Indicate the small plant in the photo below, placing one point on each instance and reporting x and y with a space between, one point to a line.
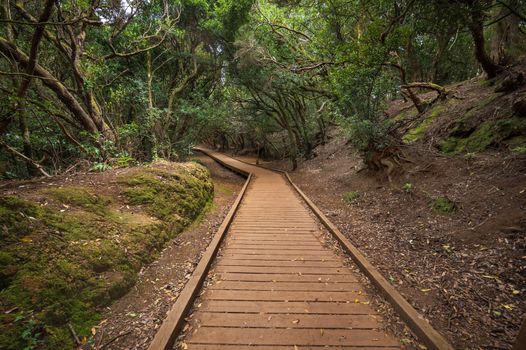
351 197
444 205
100 167
31 331
407 187
519 149
123 161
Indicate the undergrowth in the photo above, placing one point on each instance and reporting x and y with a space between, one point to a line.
351 197
443 205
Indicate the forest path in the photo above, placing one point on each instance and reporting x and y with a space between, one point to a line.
276 285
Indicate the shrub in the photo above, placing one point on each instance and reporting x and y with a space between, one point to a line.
351 197
444 205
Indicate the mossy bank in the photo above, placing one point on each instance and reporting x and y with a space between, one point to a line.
472 119
68 251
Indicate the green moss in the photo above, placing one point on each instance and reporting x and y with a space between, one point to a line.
486 134
516 141
226 190
63 267
80 197
406 114
351 197
167 195
417 132
476 142
443 205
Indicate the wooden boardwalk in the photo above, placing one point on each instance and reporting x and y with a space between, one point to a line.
276 286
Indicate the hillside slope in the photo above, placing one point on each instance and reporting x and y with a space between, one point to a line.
475 115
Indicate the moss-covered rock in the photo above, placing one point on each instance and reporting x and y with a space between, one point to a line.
173 197
509 130
417 132
62 267
81 197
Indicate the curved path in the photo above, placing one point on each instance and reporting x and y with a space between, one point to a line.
275 285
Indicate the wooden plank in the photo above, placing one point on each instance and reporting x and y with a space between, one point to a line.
276 277
209 319
270 263
275 243
278 252
283 347
262 230
241 257
292 269
298 337
273 238
300 247
249 295
295 286
291 307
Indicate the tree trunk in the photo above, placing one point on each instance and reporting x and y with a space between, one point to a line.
507 39
28 150
61 92
149 79
477 32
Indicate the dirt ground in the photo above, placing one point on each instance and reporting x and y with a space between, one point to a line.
464 271
132 321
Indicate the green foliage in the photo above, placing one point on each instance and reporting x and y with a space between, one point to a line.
232 73
408 187
351 197
443 205
367 135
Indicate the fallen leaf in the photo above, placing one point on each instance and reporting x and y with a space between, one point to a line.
508 306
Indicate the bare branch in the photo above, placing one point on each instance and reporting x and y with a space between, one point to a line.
18 154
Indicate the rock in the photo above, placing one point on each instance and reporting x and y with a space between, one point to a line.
519 107
511 82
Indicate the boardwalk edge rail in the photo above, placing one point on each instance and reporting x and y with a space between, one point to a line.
167 334
418 324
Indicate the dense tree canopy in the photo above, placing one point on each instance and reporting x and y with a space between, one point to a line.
117 81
